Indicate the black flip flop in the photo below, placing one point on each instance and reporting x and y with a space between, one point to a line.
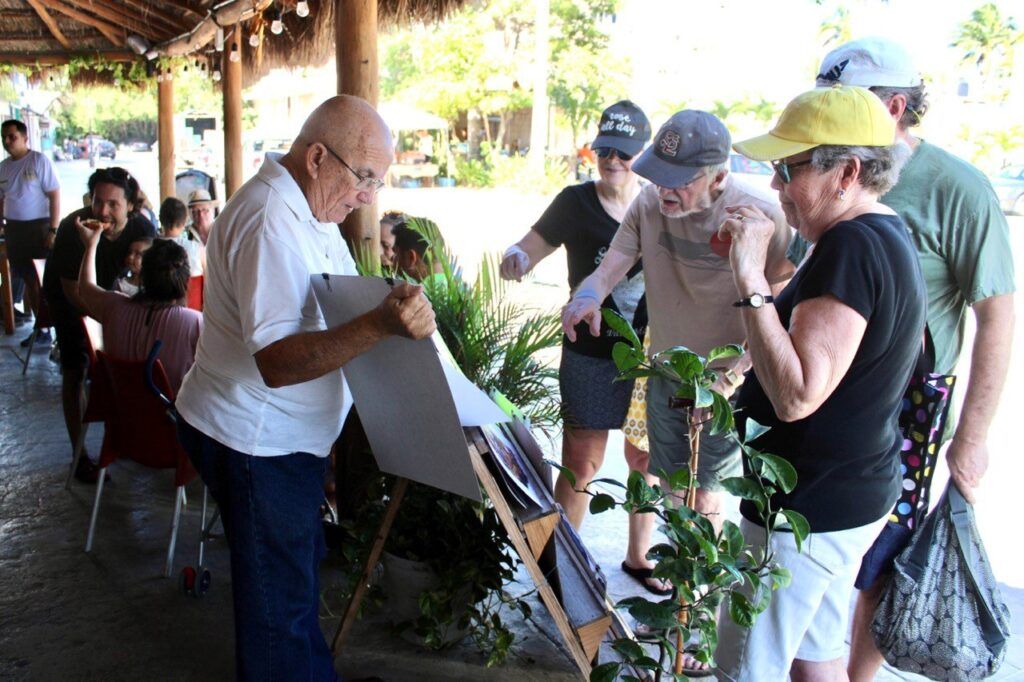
642 575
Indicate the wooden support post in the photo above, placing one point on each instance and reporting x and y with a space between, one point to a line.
397 493
6 293
355 33
232 95
165 136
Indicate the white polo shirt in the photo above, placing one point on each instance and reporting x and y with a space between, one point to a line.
260 255
23 186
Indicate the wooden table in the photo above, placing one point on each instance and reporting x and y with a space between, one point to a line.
6 294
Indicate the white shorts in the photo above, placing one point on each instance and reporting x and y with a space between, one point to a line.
807 620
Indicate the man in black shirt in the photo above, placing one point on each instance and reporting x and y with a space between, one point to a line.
114 195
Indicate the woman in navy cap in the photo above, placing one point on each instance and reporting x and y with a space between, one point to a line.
584 219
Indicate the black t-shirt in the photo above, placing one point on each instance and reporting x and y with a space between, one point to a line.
577 219
846 454
66 259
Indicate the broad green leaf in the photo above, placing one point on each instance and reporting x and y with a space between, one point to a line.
703 396
626 357
781 577
629 648
732 538
680 479
798 524
685 391
608 481
778 471
565 471
623 328
722 419
657 616
687 365
741 610
742 487
708 549
606 672
753 430
730 351
638 373
601 503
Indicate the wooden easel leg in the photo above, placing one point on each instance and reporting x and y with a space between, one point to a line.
397 493
522 547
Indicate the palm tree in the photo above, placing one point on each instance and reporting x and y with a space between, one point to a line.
987 41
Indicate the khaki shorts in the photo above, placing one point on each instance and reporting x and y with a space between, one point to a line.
669 438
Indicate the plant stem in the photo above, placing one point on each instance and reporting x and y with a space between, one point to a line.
691 502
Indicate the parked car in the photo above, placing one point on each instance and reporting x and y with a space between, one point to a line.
1009 187
106 149
140 146
757 173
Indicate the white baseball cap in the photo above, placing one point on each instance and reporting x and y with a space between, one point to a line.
870 62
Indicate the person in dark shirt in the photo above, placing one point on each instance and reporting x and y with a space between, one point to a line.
584 218
832 356
114 194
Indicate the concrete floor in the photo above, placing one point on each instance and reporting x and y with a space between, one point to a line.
110 615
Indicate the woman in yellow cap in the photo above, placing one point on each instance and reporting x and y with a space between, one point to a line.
832 355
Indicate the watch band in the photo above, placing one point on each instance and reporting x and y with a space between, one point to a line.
754 301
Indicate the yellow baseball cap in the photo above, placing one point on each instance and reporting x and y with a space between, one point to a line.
840 115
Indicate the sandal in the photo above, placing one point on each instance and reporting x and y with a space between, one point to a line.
642 575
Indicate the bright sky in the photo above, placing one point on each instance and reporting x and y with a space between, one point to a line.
697 51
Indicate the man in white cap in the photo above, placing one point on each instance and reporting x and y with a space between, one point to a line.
201 207
962 241
673 225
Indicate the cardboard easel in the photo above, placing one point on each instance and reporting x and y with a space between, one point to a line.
529 538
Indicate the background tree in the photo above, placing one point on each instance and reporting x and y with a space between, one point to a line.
988 41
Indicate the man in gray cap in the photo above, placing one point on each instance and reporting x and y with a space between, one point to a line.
673 225
963 244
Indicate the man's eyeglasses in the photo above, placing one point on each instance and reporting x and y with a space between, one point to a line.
685 185
363 181
785 169
605 152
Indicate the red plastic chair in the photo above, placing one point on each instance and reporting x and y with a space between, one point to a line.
43 320
98 396
195 293
137 428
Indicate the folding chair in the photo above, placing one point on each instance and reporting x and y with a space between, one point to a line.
98 396
137 428
42 319
195 580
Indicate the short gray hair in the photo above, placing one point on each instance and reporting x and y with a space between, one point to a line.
716 168
879 166
917 103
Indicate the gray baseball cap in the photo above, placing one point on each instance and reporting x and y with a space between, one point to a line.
688 142
623 127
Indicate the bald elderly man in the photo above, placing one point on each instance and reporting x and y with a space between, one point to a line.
266 397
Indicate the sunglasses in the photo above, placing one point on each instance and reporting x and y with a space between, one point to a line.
605 152
785 169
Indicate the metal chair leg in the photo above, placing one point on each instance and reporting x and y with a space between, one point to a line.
28 353
79 447
95 509
178 498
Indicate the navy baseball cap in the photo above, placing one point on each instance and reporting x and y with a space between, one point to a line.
688 142
623 127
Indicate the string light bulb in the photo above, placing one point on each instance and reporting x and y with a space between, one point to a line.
302 9
254 39
218 40
160 76
216 75
276 26
235 55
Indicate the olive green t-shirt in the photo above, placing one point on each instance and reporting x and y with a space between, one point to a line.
961 238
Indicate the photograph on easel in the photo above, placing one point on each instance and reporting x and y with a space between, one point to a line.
513 467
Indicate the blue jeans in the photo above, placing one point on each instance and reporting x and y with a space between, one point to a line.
270 510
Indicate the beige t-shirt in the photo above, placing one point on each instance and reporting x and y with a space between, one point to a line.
690 288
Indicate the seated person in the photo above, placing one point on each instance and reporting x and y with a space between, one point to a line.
387 239
113 193
128 282
173 221
132 325
417 257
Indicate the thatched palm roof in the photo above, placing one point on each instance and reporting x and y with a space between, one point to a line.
36 34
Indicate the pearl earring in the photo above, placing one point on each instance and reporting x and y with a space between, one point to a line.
842 194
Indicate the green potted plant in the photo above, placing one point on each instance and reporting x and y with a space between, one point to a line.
458 548
707 567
